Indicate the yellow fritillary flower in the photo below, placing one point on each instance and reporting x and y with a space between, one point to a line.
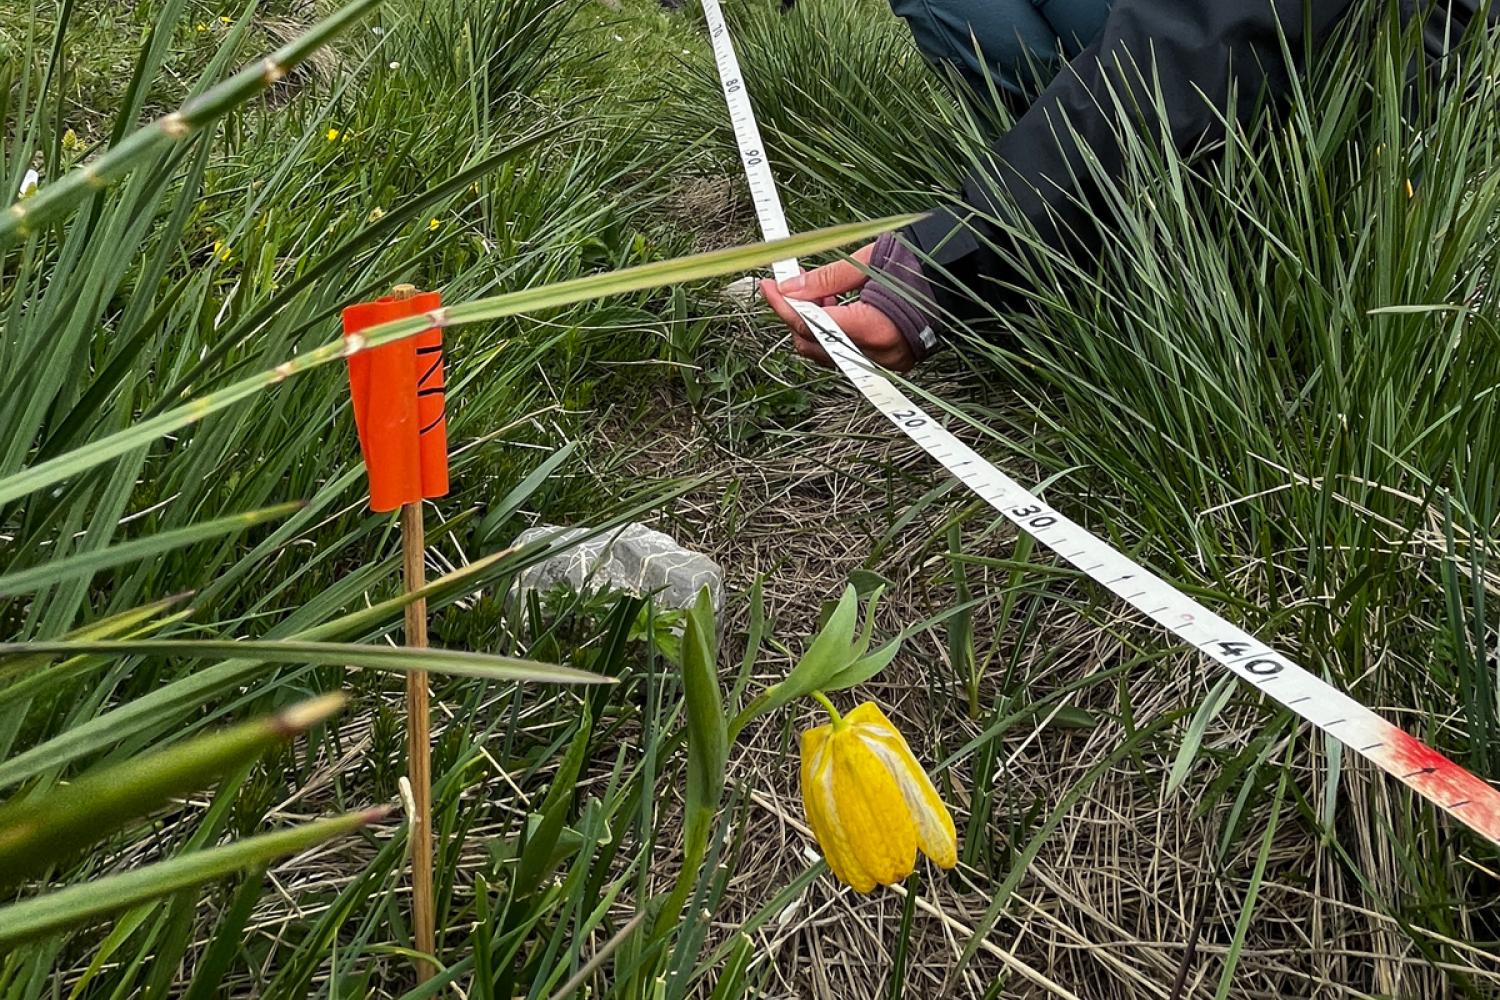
869 802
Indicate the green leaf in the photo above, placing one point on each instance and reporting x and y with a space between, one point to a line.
125 622
1252 893
707 752
185 693
459 663
519 494
863 668
1192 740
91 561
539 852
653 275
43 829
89 901
828 654
707 733
218 957
731 984
866 582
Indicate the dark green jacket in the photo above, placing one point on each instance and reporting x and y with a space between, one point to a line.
1199 50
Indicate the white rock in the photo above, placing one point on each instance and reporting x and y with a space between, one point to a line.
635 559
742 290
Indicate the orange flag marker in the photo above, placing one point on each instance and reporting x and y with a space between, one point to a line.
398 393
398 403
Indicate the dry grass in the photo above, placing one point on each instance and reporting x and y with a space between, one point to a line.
1124 899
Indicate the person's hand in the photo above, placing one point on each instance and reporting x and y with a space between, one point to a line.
872 331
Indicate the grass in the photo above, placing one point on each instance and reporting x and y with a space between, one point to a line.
1275 388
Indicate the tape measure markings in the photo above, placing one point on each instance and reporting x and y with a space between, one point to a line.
1423 769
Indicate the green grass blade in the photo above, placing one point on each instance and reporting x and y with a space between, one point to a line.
126 622
403 659
1192 740
25 216
1257 878
707 265
1028 854
91 561
217 958
89 901
40 830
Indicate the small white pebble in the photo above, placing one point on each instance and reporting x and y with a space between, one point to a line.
742 290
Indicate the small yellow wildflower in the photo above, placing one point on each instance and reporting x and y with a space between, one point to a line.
70 140
434 224
223 250
332 135
225 20
376 214
200 26
869 802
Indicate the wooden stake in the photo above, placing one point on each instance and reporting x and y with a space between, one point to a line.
418 731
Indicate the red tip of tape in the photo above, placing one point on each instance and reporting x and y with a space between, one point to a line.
1450 786
398 393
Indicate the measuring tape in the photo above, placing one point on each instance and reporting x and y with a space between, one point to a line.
1418 766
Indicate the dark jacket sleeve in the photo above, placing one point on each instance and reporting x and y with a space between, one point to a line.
1195 51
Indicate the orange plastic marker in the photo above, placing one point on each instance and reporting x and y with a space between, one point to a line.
398 392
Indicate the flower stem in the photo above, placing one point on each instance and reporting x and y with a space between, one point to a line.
838 720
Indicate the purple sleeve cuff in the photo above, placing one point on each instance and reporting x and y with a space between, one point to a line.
898 288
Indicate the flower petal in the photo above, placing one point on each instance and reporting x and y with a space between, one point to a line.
936 834
822 813
871 811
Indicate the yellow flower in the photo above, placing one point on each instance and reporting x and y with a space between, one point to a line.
869 802
225 20
376 214
200 26
434 224
223 250
70 140
332 135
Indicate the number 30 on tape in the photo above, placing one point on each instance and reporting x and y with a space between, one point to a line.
1424 770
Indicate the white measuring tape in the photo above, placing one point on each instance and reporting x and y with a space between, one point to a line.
1421 768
